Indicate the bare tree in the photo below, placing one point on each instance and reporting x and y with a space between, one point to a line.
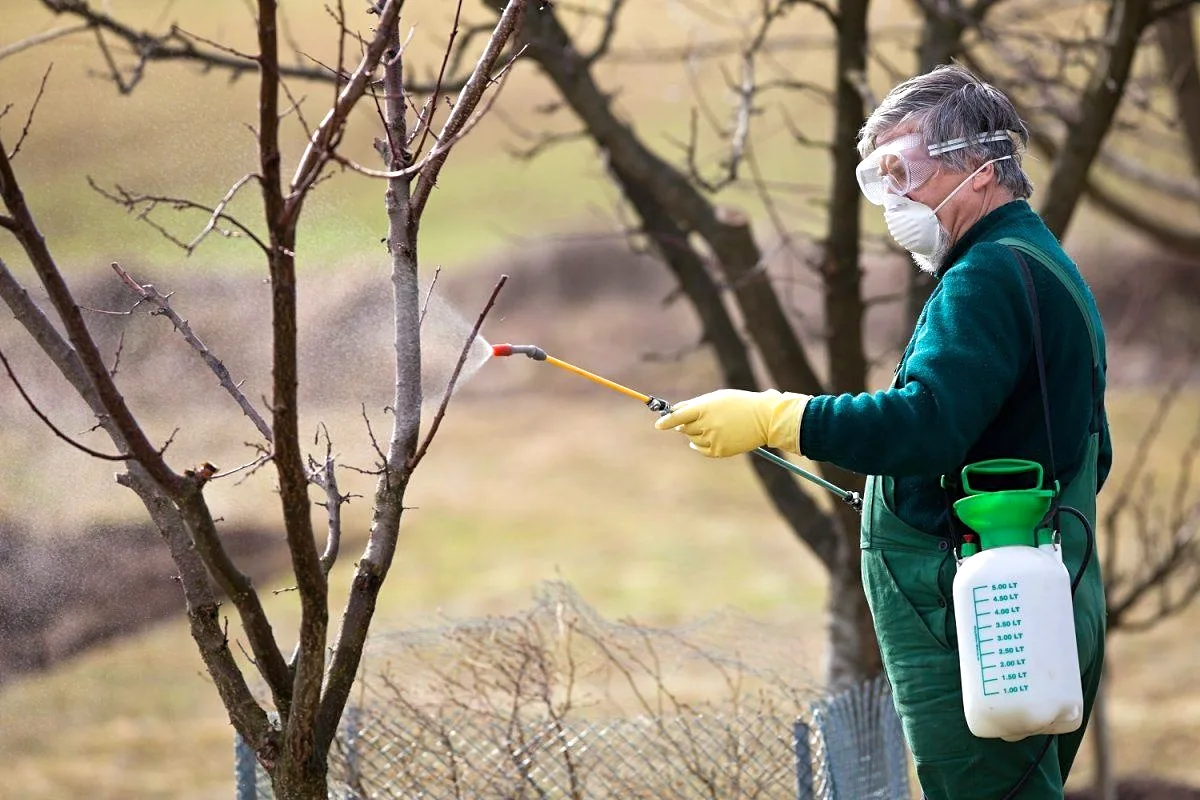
308 690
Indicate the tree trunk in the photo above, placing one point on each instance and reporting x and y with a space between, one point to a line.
1097 108
1105 782
672 210
1177 43
941 39
853 649
295 779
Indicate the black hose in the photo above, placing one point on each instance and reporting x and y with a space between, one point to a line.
1089 546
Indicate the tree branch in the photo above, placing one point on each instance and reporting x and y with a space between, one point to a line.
1096 109
174 45
426 121
1177 44
606 36
148 293
324 475
1170 547
32 110
244 710
143 205
1175 238
403 224
728 233
321 145
406 404
1168 185
462 359
41 38
467 102
46 420
679 209
34 244
303 684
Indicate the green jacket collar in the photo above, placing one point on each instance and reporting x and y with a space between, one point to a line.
994 225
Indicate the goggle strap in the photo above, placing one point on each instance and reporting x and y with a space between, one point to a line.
965 141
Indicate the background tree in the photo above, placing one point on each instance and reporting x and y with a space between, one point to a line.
291 731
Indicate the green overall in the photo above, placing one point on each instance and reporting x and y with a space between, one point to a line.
908 577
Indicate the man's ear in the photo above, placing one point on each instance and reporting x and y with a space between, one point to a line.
985 176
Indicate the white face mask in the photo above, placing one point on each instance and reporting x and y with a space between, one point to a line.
914 225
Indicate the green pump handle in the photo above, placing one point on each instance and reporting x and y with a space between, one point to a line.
1000 467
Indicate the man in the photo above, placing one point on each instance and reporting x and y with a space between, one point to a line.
942 155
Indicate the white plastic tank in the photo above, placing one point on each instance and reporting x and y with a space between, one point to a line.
1016 637
1013 608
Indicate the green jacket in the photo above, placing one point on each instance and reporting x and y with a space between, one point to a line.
967 388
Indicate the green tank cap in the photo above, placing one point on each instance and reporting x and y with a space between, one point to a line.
1005 518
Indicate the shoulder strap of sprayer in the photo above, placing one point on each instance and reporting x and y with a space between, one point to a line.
1039 356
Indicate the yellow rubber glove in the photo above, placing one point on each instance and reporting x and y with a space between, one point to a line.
728 422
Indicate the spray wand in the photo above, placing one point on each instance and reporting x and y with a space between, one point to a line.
661 406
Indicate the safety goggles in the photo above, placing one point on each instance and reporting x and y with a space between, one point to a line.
905 163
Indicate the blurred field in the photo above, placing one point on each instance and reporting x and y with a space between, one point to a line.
192 138
535 476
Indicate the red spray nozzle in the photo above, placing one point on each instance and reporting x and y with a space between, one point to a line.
533 351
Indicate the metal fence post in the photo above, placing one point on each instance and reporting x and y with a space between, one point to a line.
863 755
352 726
245 768
803 751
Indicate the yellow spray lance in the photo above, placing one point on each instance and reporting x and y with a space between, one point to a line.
660 406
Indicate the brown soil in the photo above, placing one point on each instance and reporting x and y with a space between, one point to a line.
60 596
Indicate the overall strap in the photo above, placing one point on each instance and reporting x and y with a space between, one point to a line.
1051 264
1038 354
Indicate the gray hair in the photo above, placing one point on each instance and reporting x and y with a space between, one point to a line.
949 102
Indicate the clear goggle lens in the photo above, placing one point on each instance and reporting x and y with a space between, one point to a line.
895 168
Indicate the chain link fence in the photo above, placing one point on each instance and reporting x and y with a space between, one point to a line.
557 703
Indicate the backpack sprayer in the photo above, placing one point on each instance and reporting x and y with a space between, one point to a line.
661 407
